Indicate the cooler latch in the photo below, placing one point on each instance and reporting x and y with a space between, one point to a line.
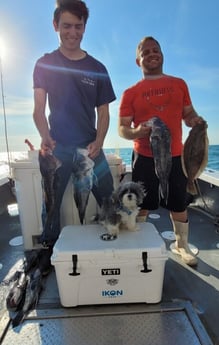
74 261
145 263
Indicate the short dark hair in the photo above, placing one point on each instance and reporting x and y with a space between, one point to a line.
147 38
76 7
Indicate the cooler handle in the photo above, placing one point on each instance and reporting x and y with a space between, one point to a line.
74 268
145 263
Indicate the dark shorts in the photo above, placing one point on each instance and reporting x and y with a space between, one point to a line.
143 171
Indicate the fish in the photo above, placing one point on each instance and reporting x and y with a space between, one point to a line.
82 180
30 260
16 291
194 157
48 164
18 284
33 290
160 141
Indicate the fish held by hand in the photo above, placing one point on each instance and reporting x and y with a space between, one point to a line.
160 140
195 155
83 181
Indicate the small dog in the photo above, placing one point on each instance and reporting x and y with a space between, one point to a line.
121 209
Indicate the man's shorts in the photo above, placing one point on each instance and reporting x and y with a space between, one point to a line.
143 170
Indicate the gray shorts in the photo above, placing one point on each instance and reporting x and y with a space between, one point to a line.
143 171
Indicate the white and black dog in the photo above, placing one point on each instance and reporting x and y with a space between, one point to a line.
121 209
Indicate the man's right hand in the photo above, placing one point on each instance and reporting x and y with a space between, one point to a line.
143 130
48 144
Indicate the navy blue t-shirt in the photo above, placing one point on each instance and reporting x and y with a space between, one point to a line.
75 89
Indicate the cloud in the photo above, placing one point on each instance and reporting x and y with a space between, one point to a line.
18 105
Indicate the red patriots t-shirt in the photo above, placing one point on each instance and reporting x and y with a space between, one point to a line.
164 97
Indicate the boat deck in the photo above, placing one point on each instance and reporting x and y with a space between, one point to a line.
190 300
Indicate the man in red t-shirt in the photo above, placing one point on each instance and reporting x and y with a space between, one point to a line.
166 97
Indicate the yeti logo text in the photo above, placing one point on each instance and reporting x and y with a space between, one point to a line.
110 271
112 293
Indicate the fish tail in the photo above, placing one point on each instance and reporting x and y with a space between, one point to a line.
81 200
18 319
191 188
164 192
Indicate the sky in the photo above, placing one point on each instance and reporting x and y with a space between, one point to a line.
187 30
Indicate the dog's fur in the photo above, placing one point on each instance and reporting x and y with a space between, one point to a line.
121 209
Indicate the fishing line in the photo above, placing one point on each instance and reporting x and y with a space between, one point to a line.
5 119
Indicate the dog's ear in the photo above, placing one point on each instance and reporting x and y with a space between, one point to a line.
115 197
120 187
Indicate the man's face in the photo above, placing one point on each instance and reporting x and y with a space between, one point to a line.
71 30
150 57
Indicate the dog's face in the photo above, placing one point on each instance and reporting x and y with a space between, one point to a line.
129 200
130 194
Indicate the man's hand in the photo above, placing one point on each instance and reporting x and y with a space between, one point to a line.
48 144
93 149
143 130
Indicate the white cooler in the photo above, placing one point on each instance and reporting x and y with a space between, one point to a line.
90 270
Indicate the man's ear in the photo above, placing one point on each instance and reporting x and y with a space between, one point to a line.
55 25
137 62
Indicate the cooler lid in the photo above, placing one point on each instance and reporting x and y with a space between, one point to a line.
28 162
25 164
86 242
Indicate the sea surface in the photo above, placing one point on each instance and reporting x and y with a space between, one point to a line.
213 156
124 153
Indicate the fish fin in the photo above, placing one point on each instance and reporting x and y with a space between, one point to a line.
31 260
18 319
183 166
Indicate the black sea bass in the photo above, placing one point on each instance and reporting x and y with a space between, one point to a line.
160 140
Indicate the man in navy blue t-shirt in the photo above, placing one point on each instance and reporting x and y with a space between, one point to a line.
78 90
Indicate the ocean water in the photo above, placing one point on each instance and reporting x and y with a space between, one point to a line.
124 153
213 156
17 134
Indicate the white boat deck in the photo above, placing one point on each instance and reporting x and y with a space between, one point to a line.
188 311
211 176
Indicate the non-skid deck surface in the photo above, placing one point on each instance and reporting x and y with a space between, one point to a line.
181 283
102 325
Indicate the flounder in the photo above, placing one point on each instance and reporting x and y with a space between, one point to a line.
195 155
